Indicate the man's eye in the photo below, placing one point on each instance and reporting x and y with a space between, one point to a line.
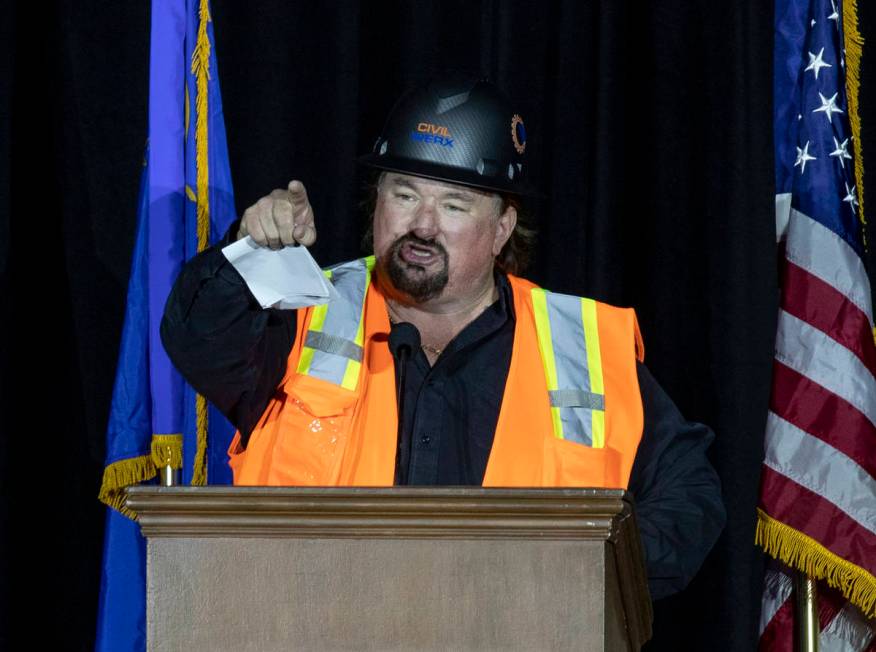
453 208
404 196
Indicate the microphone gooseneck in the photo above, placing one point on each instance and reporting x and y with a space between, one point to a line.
404 339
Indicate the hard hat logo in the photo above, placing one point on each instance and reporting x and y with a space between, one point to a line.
435 130
518 134
430 133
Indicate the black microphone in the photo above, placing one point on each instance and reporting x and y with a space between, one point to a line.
404 336
404 339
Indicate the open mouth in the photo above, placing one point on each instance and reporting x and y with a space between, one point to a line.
419 254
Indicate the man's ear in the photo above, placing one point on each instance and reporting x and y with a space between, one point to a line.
504 228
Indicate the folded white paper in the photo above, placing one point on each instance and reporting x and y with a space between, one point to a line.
286 278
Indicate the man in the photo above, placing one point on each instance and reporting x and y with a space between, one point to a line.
495 381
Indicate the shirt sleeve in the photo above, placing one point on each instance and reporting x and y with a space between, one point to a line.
677 491
224 344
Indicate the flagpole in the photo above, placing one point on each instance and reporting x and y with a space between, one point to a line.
168 476
807 612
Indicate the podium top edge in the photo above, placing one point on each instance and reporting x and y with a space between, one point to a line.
144 500
461 491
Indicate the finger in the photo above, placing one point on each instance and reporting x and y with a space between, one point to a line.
305 234
283 220
256 232
249 226
296 191
297 194
266 221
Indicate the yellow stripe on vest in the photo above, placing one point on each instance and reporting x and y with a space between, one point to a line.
546 347
594 366
317 321
351 375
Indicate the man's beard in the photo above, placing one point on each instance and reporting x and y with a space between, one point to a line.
412 279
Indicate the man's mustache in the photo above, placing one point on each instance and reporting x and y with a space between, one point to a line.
411 238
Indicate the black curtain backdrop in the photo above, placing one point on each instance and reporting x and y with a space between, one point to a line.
650 136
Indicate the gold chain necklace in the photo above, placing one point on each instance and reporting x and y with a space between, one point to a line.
393 319
430 349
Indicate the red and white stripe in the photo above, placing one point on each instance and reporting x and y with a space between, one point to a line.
819 473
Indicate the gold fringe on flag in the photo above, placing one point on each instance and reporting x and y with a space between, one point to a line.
854 46
201 71
807 555
166 450
121 474
199 473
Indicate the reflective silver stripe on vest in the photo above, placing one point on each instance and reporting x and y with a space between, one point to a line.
336 340
335 345
573 394
576 398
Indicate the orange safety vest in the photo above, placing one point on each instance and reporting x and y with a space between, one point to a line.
571 414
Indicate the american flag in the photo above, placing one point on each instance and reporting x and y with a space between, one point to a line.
818 490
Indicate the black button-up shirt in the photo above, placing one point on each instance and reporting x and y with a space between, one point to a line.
451 409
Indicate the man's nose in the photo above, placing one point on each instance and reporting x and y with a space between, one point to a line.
425 221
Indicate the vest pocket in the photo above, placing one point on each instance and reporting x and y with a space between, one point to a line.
306 433
569 464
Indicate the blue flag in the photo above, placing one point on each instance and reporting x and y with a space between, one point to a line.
186 202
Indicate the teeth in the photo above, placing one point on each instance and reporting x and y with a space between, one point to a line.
420 253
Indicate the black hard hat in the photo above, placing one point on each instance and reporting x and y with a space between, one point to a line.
457 129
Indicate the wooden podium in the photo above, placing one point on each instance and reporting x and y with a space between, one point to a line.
263 569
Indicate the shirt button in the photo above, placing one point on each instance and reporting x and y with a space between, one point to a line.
425 440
